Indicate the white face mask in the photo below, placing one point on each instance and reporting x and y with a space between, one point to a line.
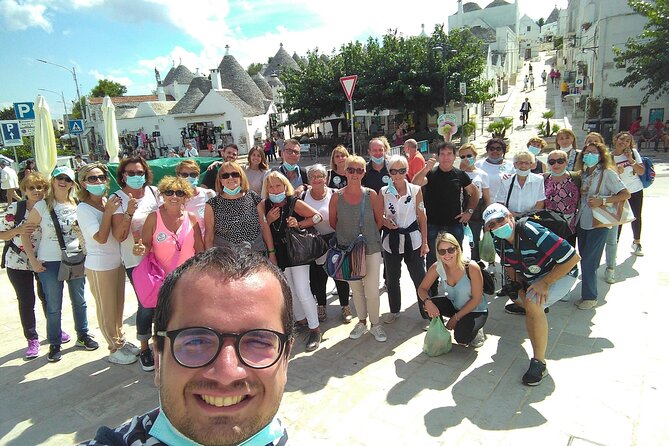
522 173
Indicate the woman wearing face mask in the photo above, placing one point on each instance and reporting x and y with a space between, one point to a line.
282 209
566 141
189 170
479 177
337 172
495 165
138 200
524 190
256 169
464 303
600 185
232 217
104 269
563 189
535 146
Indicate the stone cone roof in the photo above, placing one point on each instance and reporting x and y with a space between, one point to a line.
497 3
554 16
198 89
281 59
235 78
169 77
274 81
181 74
471 6
262 85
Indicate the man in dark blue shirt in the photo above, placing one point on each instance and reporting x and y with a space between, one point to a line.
541 266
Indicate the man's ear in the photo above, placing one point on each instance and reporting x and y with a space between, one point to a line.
156 358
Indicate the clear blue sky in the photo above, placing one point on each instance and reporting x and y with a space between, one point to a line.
123 40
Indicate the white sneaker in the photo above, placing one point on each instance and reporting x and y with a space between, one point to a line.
131 348
636 249
121 356
478 340
390 318
610 275
378 333
359 330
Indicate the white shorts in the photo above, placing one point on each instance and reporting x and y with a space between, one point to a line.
560 288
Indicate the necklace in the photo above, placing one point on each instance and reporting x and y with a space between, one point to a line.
277 228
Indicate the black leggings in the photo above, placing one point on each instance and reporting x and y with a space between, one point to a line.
318 280
24 286
466 328
636 203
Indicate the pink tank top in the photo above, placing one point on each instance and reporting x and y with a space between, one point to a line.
172 249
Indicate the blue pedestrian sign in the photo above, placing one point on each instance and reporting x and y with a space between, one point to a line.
76 126
11 133
24 110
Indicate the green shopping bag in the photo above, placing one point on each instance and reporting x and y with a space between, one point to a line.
437 339
487 248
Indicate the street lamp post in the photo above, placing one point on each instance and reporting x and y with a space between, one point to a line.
73 71
445 53
62 96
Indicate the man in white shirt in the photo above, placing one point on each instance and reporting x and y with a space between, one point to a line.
190 151
10 182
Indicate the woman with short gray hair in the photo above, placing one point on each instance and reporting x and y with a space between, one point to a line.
524 190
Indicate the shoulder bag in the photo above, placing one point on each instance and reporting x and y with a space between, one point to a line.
304 244
350 262
71 264
611 214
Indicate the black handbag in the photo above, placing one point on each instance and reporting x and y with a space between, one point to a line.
71 264
304 245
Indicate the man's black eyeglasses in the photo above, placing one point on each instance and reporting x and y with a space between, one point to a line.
186 175
195 347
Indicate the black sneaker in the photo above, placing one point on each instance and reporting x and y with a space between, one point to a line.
535 373
313 341
87 342
54 353
518 310
146 359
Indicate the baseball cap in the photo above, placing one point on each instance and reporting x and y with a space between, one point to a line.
63 170
493 212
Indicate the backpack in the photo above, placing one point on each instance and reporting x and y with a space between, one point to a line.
18 218
488 279
649 174
549 219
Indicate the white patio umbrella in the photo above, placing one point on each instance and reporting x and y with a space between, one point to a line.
111 132
45 141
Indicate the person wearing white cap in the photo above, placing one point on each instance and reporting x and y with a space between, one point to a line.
542 268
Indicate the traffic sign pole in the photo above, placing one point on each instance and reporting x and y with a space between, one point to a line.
348 84
352 127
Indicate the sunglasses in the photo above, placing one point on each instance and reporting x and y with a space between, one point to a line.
466 156
495 149
401 171
358 170
186 175
226 175
132 173
178 193
557 161
36 188
64 178
444 251
95 178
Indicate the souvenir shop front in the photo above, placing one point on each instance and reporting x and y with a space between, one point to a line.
138 142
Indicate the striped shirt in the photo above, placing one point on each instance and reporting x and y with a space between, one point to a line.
540 251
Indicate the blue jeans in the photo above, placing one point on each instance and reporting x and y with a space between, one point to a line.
590 247
457 230
144 317
53 293
477 228
611 249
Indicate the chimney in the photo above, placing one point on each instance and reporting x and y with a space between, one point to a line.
216 79
161 93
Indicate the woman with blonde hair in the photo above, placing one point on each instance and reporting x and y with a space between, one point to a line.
566 141
104 268
232 216
346 206
189 170
460 292
59 206
256 168
337 172
535 146
12 226
281 209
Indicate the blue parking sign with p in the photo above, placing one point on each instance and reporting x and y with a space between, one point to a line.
11 133
24 110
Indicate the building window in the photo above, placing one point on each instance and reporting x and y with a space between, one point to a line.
228 124
529 28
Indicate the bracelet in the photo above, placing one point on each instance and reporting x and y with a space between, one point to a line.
271 251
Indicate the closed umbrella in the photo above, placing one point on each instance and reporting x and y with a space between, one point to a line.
45 141
111 132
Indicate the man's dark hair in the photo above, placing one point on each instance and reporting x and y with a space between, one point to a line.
233 263
499 141
447 145
120 170
234 146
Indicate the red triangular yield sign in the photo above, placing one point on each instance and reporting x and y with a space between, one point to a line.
348 83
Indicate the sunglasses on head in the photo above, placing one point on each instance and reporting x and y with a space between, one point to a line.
226 175
557 161
186 175
178 193
466 156
93 178
444 251
63 178
358 170
132 173
400 171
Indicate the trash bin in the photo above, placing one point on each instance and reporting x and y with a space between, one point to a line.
607 126
593 125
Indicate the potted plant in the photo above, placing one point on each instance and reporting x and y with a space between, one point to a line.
467 130
498 128
548 131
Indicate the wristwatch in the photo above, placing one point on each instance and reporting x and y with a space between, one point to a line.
470 211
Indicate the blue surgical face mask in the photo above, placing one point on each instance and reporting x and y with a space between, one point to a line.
234 191
522 173
378 160
136 182
534 150
289 167
495 160
192 181
503 231
277 198
590 159
558 174
96 189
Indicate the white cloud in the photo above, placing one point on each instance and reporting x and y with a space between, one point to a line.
123 80
17 16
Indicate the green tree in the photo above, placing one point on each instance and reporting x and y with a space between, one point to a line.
7 114
77 107
254 68
645 56
108 88
541 22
